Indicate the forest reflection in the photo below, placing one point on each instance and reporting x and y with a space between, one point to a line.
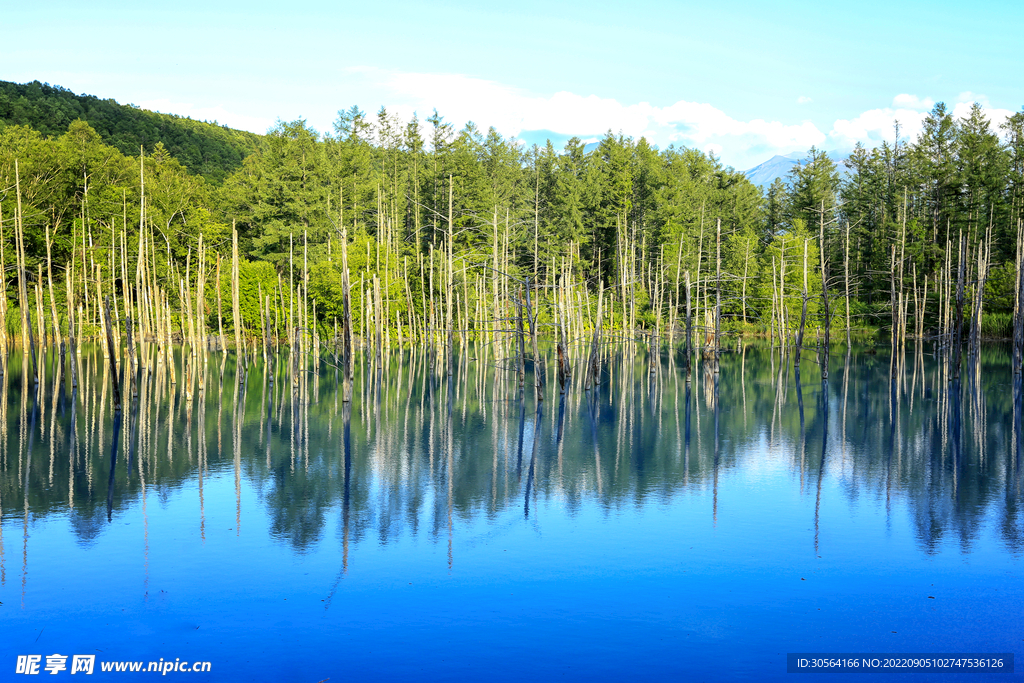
425 446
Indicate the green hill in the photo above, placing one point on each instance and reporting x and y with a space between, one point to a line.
204 148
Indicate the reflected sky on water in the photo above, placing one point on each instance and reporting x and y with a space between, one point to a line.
445 525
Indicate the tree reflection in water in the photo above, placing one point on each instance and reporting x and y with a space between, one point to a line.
421 450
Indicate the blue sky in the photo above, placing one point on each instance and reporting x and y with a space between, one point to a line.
743 79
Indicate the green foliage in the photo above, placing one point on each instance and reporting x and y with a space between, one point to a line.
206 149
281 193
86 193
615 210
254 278
814 189
999 288
783 262
325 285
997 325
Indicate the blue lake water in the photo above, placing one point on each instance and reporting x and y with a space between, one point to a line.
451 529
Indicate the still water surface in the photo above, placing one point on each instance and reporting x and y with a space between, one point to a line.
442 528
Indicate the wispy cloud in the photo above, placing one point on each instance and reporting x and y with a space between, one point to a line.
804 99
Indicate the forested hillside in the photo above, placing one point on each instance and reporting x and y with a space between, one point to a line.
430 211
205 149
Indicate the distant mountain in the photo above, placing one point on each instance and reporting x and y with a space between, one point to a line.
764 174
208 149
780 165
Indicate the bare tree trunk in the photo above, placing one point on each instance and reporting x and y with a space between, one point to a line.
1018 317
746 269
688 346
563 361
775 307
346 329
19 233
130 361
924 309
958 322
538 364
378 314
895 311
593 371
902 297
49 281
984 253
846 266
679 262
73 356
236 319
520 341
783 323
718 291
451 283
803 317
824 300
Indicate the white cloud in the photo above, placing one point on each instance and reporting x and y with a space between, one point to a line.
740 143
876 125
906 101
211 114
968 97
803 99
511 111
965 102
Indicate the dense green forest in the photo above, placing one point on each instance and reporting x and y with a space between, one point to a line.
205 149
433 213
